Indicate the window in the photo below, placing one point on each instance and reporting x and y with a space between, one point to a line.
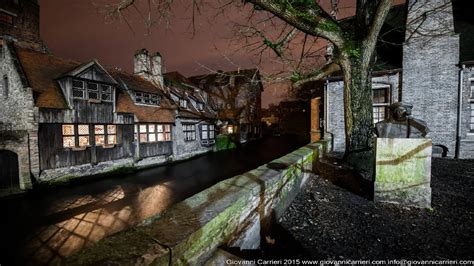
6 18
471 118
73 132
69 140
105 135
154 133
183 103
207 134
200 106
83 132
381 101
5 87
471 105
147 98
90 90
189 132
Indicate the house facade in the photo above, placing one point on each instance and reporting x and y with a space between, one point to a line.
434 72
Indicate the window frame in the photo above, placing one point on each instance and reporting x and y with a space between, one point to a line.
165 132
208 129
387 88
102 89
183 103
147 98
189 131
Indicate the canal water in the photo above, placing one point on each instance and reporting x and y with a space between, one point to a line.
46 226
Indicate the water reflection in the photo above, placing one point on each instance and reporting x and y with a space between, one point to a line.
46 227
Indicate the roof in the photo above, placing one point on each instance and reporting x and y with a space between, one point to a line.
184 88
165 113
41 71
125 104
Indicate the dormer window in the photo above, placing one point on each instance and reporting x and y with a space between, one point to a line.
147 98
200 106
91 91
183 103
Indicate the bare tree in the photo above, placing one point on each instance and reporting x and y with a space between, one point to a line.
353 47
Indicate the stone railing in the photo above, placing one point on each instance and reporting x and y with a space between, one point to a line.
233 212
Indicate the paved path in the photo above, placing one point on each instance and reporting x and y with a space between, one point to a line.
47 226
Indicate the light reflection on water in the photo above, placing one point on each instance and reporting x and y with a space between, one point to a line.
55 242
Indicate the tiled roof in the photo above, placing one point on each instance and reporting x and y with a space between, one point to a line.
41 71
165 113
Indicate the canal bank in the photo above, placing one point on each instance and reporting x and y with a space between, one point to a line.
49 225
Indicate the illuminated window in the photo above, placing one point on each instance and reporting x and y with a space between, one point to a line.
99 131
105 135
83 133
155 132
381 101
167 132
230 129
69 140
189 131
111 134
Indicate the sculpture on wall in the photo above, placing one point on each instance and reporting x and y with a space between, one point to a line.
399 124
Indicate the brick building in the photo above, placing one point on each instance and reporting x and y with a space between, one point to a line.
428 63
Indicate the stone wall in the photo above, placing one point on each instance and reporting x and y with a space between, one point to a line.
231 212
335 106
18 117
183 149
430 72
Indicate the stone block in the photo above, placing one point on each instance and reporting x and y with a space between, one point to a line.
403 171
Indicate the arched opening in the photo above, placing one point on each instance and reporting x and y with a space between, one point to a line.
9 174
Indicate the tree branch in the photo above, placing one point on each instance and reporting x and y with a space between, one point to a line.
370 40
325 71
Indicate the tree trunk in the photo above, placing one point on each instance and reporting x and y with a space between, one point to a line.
358 116
358 113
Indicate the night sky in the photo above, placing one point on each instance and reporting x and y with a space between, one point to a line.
80 30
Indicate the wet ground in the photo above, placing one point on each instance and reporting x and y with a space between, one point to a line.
48 225
328 222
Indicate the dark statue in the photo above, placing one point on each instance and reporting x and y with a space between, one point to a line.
399 124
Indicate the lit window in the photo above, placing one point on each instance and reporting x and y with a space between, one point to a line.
189 132
230 129
99 131
167 133
151 133
381 101
69 140
83 132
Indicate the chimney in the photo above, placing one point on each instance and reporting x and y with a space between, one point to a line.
428 19
156 68
141 63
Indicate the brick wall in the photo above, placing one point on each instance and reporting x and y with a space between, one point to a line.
430 74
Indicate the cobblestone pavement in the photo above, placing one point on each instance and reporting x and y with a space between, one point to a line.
328 222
